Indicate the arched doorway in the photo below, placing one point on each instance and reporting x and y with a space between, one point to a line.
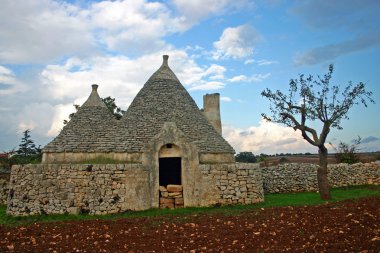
170 177
170 171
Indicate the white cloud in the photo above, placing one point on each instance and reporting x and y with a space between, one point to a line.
208 85
254 78
52 30
249 61
259 77
239 78
267 137
338 14
129 26
9 83
372 146
359 19
118 76
266 62
226 99
332 51
61 113
215 72
196 10
236 42
35 116
26 25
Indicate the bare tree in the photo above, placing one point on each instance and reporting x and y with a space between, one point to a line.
311 99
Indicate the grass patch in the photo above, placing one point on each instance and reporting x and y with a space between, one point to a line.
271 200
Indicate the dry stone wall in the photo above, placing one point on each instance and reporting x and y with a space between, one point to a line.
297 177
236 182
94 189
104 189
4 189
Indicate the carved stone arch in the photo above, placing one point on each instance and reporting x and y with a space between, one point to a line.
188 152
170 150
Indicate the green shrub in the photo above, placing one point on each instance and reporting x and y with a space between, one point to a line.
245 157
348 153
283 160
21 159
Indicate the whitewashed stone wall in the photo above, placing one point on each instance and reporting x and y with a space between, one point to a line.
235 183
297 177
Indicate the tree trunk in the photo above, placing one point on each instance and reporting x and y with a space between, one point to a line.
323 182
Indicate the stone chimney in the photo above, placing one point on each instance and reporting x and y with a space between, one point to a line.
165 60
211 109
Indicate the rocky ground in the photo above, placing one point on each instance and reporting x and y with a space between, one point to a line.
348 226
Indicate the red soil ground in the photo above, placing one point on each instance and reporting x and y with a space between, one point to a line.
348 226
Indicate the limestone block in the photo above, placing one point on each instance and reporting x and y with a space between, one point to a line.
73 210
231 175
170 206
174 188
166 200
178 201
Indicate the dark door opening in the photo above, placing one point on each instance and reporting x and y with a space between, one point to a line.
170 171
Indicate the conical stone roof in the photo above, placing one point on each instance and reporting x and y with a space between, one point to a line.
93 128
164 99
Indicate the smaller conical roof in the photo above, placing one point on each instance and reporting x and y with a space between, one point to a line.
93 128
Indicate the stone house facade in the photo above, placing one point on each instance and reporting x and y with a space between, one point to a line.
163 139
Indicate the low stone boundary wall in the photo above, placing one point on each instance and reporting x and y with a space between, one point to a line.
236 183
4 189
113 188
104 189
297 177
94 189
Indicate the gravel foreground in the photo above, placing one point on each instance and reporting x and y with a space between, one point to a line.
347 226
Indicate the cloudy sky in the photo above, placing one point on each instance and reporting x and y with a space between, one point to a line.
51 51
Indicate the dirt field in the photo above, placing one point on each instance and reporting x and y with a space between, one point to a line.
349 226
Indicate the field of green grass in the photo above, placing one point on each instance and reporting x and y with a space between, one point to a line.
271 200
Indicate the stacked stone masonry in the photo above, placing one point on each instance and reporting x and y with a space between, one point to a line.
171 196
114 188
4 189
104 189
97 189
236 183
298 177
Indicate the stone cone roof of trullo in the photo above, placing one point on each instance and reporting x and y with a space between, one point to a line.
164 99
91 129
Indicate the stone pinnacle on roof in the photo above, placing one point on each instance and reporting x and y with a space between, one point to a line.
164 72
94 98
